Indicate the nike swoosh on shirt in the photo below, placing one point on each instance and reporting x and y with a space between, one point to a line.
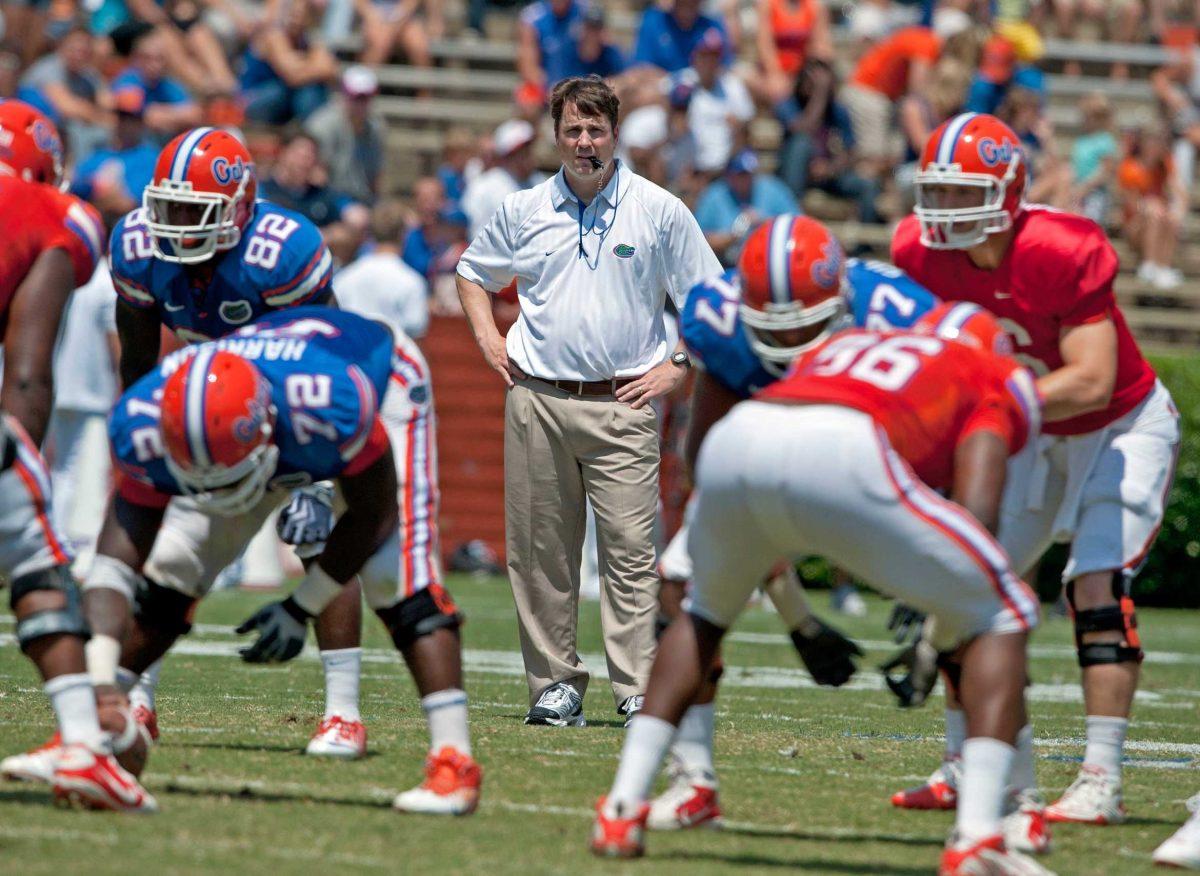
175 309
1002 294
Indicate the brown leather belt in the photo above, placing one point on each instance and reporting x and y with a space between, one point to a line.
589 387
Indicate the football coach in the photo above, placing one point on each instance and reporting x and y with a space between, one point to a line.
595 251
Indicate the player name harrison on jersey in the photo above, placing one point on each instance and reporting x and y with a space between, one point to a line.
269 350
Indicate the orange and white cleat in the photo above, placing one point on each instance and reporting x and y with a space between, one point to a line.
337 737
97 781
987 857
1093 798
690 801
1025 826
451 786
940 790
37 765
614 836
148 718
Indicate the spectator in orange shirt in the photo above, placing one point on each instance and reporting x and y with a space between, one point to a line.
790 33
890 69
1154 203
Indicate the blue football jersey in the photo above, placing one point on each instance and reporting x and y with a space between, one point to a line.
281 261
881 297
878 296
328 371
712 329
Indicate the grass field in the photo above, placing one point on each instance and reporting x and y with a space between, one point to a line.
806 772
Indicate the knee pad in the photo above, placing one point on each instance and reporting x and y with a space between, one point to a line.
1120 618
161 608
68 620
419 615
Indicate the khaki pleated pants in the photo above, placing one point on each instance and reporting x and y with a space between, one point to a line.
558 449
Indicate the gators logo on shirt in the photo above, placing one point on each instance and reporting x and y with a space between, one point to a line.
623 251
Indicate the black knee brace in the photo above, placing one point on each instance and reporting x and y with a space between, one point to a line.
68 620
1119 618
419 615
160 608
951 669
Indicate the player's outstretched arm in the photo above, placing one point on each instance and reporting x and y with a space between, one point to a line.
710 402
979 470
371 518
33 319
140 334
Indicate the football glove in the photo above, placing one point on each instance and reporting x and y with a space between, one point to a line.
921 660
307 519
827 654
903 622
282 628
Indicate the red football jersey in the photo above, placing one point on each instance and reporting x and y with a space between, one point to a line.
1058 272
929 394
35 217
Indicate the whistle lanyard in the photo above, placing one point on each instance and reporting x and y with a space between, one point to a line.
594 261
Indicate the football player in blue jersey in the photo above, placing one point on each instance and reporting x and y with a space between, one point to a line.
304 395
791 289
203 258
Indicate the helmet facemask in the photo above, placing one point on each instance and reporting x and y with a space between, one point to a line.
761 327
942 226
210 225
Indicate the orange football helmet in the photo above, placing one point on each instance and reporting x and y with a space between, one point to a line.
982 158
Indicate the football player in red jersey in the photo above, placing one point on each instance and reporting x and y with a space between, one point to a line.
856 439
1100 474
51 242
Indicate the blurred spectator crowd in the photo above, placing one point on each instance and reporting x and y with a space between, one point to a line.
744 108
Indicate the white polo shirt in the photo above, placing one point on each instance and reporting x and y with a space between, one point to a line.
592 282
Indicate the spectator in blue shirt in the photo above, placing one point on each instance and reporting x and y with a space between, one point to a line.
169 108
286 74
293 183
544 38
732 206
590 53
667 39
113 178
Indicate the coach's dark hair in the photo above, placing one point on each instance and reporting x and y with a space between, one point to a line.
591 95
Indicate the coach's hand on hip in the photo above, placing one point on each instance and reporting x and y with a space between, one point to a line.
659 380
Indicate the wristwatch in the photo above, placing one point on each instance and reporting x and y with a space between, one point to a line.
680 357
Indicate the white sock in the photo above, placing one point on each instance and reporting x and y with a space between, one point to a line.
1105 743
1023 777
446 714
342 669
693 745
646 742
986 765
147 685
74 701
956 732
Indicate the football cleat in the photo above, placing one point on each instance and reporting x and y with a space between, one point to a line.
630 706
1182 849
617 837
940 790
451 786
37 765
97 781
986 857
337 737
1093 798
1025 825
560 705
690 801
148 718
